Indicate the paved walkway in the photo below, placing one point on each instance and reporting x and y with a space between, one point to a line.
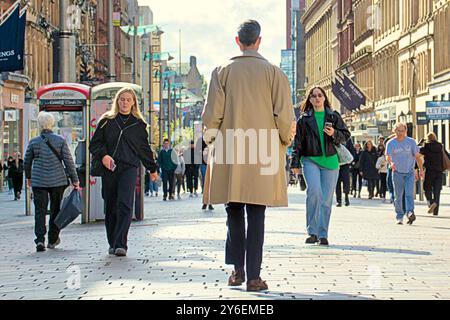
177 252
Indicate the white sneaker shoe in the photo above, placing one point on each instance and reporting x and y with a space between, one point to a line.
399 221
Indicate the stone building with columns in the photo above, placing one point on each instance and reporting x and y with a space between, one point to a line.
320 23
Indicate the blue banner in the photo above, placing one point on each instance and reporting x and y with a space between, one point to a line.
12 35
343 96
357 95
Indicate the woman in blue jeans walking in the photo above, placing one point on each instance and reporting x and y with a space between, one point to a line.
319 130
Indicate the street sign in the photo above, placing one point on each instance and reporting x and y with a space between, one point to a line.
438 110
421 118
156 105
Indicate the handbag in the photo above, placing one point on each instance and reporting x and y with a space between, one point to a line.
71 208
445 160
60 158
344 156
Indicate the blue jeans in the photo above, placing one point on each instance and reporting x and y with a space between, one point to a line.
390 184
203 172
321 184
403 186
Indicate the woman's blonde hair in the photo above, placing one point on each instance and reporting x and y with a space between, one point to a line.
431 136
111 114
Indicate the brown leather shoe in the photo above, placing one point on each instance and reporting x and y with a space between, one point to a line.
257 285
237 278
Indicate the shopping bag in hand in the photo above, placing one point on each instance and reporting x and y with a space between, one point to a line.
71 208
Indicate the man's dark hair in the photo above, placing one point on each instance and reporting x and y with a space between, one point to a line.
166 140
248 32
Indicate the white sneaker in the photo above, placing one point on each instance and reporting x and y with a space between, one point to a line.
399 221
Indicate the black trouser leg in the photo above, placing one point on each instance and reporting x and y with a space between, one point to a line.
437 188
235 244
255 240
171 182
339 189
195 177
428 184
109 193
189 177
344 175
56 195
125 196
370 187
40 198
17 184
383 185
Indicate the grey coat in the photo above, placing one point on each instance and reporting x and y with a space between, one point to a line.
43 167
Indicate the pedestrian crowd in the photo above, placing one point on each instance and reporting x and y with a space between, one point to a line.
248 93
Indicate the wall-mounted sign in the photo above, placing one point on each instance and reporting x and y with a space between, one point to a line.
438 110
422 118
10 115
15 98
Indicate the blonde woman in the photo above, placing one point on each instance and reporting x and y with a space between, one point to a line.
121 142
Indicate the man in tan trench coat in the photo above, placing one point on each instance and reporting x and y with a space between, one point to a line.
250 121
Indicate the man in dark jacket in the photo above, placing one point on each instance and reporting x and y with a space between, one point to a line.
168 167
432 185
192 159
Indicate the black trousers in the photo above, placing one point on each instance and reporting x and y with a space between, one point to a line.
356 180
17 181
245 250
168 179
40 198
344 178
192 177
371 184
118 192
383 185
432 185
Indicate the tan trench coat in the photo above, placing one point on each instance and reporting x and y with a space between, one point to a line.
248 93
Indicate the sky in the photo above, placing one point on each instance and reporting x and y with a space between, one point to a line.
208 28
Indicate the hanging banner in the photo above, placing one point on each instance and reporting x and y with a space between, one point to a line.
342 95
357 95
12 35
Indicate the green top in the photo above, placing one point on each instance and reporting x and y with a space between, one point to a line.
331 162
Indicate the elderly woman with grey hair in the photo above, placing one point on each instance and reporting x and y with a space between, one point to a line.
45 173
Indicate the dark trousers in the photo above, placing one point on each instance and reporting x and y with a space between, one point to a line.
371 183
40 198
17 181
192 177
179 182
245 250
168 179
344 178
118 192
432 185
356 180
383 185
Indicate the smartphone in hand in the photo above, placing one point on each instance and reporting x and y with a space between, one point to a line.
328 125
113 166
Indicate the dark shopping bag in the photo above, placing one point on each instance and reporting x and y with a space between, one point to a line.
71 208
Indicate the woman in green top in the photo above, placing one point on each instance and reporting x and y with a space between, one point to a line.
319 130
